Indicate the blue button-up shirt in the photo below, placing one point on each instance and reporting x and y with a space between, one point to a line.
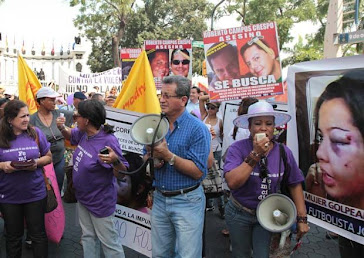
191 140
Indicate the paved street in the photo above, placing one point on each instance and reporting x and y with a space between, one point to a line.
315 244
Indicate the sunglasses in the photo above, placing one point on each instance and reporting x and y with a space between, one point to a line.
263 164
211 107
184 62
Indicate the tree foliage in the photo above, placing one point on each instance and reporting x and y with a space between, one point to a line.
284 12
102 21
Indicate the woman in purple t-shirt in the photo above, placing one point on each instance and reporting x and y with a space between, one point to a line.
22 191
93 177
252 171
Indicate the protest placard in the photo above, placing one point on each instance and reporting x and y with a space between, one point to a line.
128 57
169 57
333 190
243 62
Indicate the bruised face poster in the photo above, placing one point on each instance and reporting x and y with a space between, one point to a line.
327 142
243 62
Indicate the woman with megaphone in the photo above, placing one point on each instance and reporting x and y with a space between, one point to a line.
254 169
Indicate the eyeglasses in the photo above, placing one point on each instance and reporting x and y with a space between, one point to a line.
211 107
263 164
184 62
166 96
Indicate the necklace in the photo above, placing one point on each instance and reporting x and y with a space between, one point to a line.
210 121
48 125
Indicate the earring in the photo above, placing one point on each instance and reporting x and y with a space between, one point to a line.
10 125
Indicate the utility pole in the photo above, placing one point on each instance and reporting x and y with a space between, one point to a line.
213 12
334 25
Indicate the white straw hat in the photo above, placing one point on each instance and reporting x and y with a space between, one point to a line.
262 108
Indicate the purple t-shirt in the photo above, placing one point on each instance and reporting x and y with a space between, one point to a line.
93 180
255 189
23 186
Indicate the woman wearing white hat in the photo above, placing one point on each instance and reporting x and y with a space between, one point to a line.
45 119
252 172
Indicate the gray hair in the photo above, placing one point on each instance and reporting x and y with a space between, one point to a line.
183 84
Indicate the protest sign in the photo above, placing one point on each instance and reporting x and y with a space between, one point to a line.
122 121
243 62
70 81
128 57
134 229
337 210
169 57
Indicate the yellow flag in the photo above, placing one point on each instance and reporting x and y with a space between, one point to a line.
28 85
139 93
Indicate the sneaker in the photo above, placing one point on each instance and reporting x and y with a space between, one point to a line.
210 208
28 244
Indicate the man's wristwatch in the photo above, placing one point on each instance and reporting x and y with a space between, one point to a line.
172 160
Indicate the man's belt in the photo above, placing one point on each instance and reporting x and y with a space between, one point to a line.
178 192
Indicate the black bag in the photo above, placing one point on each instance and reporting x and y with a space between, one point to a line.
69 194
212 184
52 203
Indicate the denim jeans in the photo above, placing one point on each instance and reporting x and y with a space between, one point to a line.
59 170
14 215
94 228
177 224
246 234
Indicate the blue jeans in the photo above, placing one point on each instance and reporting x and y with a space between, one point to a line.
246 234
177 224
94 228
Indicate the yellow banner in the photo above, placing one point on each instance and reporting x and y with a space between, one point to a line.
28 84
139 93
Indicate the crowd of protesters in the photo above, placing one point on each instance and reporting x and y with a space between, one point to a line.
250 166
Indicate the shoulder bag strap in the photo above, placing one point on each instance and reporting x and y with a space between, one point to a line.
43 172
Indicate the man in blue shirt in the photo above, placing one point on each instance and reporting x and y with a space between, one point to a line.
193 102
179 200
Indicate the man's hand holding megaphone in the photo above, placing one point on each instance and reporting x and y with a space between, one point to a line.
161 152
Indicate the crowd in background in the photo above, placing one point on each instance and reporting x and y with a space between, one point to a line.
251 165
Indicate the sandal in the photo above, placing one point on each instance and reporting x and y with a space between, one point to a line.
331 235
225 232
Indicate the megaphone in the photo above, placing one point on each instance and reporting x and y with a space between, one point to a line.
276 213
143 129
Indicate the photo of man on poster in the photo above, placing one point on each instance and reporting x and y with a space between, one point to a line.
223 60
261 59
158 60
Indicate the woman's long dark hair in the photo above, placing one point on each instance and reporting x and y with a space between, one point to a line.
11 111
350 88
243 109
95 112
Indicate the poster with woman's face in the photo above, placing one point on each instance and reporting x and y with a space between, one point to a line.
330 146
169 57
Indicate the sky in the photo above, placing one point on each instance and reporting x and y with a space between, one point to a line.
38 22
